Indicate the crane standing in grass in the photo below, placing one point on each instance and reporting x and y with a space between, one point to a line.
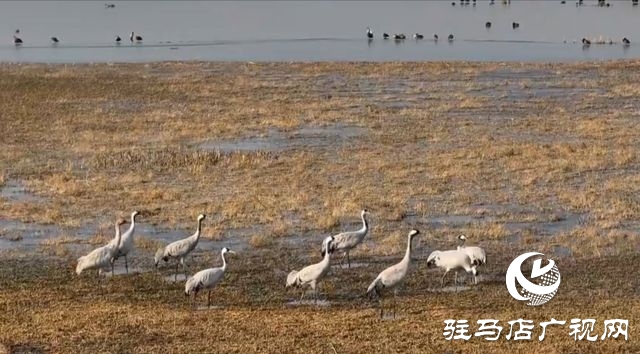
393 276
312 274
180 249
346 241
126 243
206 279
101 257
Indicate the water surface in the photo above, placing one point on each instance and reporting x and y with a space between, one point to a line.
314 31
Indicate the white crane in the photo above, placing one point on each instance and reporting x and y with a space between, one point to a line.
101 257
452 260
126 242
393 276
477 254
346 241
312 274
206 279
180 249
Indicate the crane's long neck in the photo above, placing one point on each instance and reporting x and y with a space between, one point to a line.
365 225
407 255
327 255
133 224
197 234
224 262
118 236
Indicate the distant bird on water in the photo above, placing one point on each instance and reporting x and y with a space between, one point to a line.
137 38
55 40
385 35
418 36
626 41
450 38
16 40
487 25
118 39
435 37
586 42
399 36
369 33
515 25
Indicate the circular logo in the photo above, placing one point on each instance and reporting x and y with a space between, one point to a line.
536 293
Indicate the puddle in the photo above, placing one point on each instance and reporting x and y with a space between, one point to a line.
310 302
353 265
565 224
119 269
276 140
447 220
15 191
449 289
171 278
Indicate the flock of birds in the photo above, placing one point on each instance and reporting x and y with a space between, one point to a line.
134 38
463 258
515 25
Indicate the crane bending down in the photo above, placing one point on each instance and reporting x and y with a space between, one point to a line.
101 257
478 255
206 279
393 276
180 249
126 243
346 241
312 274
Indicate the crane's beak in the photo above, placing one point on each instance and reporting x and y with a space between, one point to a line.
232 252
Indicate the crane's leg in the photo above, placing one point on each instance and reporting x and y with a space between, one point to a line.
302 296
381 306
395 293
444 275
195 293
184 267
315 294
175 276
112 269
456 281
209 299
126 263
348 260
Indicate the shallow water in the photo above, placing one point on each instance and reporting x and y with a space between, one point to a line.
304 138
314 30
310 302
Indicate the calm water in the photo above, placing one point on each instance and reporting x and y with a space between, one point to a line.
312 31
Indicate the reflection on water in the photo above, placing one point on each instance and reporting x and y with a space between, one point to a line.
318 30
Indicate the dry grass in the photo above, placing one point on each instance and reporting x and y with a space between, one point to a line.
509 154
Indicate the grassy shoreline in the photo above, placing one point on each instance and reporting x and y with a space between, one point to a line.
520 157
